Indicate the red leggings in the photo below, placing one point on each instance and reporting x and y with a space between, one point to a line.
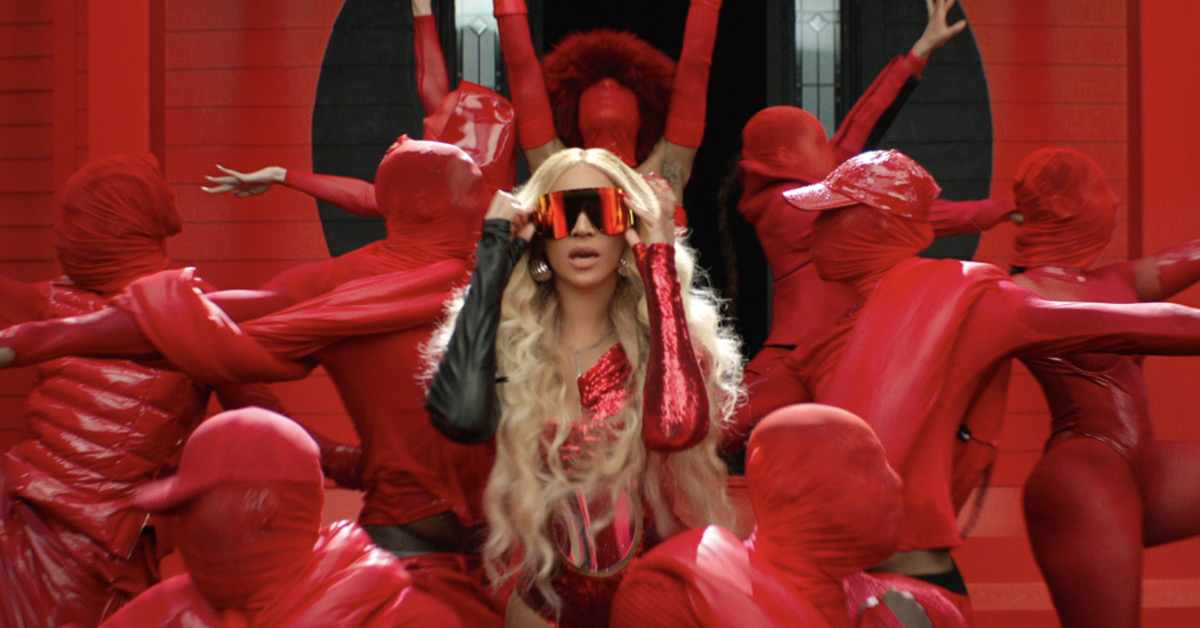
1090 512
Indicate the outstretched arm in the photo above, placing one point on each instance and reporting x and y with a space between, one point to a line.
535 119
433 82
957 217
689 96
1161 276
353 195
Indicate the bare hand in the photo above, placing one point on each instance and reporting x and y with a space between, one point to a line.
937 31
660 219
506 207
243 184
422 7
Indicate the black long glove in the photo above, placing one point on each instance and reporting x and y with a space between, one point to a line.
462 396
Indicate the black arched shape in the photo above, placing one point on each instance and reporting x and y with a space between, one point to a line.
946 125
366 98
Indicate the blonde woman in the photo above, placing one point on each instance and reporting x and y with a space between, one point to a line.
585 346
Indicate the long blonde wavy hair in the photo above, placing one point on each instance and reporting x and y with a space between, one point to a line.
530 481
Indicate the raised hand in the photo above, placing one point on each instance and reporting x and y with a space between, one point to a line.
937 31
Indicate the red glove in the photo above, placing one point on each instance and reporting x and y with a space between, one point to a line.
685 121
535 119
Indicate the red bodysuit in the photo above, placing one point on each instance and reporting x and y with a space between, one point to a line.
71 543
1105 487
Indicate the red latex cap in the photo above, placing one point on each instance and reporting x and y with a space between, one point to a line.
887 180
1069 209
790 142
249 445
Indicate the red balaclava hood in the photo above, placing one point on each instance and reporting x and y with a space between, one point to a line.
580 60
789 142
248 499
114 217
433 197
826 501
1068 207
481 122
877 206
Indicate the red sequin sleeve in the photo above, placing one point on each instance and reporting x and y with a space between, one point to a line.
675 399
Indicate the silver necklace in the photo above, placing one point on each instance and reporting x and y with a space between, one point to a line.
578 370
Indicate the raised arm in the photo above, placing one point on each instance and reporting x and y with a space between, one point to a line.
675 407
462 400
875 110
1163 275
689 97
433 82
535 118
353 195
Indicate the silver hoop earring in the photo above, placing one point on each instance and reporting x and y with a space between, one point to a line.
540 270
624 269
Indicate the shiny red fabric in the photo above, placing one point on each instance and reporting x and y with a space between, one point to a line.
675 410
1069 209
887 180
827 505
482 123
944 608
785 148
114 216
358 319
70 538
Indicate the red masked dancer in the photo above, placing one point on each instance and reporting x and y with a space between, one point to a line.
247 504
827 505
602 370
72 547
923 353
1105 487
610 89
367 315
786 147
472 117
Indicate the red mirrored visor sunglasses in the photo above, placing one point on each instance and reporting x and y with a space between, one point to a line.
557 212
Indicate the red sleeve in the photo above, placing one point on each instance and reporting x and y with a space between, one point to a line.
1040 327
1176 268
353 195
433 83
689 97
867 121
956 217
675 402
535 120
